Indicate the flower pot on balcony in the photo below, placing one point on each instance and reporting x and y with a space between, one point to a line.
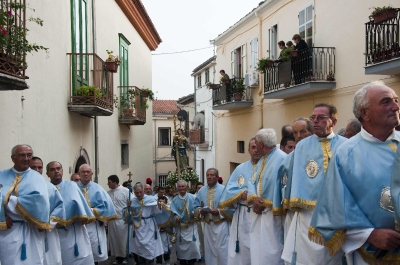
145 93
293 54
112 67
128 112
330 78
384 16
213 86
269 64
238 96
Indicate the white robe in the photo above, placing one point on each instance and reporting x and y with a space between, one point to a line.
53 255
243 257
117 229
308 252
11 240
98 237
185 247
67 242
144 244
216 240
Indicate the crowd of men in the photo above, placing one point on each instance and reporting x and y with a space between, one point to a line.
317 198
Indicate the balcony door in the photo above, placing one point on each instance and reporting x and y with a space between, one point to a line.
124 67
80 62
306 25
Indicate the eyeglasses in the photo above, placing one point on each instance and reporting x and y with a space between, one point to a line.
318 118
22 156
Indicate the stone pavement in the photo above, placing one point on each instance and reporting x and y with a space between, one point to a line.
131 261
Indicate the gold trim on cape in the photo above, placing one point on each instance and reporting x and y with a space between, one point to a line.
388 259
231 201
326 151
278 211
333 244
296 204
168 222
3 225
30 219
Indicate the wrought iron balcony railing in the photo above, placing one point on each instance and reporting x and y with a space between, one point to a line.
12 58
224 93
88 69
382 39
310 65
198 137
133 106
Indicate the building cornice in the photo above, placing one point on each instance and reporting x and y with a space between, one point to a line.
137 15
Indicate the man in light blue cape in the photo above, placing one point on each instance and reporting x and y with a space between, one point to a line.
103 209
188 245
145 240
266 231
52 250
216 227
235 195
74 238
307 172
165 225
26 211
354 211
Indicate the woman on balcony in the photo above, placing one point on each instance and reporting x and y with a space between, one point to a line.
302 64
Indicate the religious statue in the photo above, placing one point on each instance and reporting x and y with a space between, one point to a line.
181 141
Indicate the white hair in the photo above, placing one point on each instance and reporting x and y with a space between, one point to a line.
138 185
267 137
87 165
182 181
20 145
361 101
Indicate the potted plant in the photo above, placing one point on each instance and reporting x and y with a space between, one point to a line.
148 93
13 43
223 80
263 64
330 77
381 14
112 62
126 102
285 54
89 91
211 85
238 88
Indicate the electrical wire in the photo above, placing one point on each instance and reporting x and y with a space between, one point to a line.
166 53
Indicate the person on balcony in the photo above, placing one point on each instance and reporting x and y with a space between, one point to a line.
281 46
289 45
227 82
301 66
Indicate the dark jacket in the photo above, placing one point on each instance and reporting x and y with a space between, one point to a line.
301 45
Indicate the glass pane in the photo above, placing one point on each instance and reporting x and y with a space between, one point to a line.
309 13
301 18
302 32
309 34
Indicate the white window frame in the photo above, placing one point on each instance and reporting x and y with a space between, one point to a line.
254 53
273 42
234 61
307 21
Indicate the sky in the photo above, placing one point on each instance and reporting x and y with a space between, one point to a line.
188 25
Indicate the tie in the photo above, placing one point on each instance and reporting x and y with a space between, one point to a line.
326 151
393 144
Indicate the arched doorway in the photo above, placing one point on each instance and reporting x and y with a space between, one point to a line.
81 158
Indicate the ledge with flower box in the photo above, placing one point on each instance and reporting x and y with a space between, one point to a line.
90 101
112 62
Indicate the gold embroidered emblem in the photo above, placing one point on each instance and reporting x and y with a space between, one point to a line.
240 181
386 200
254 177
135 212
180 210
312 169
284 179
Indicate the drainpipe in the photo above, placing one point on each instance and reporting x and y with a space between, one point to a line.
96 135
155 150
195 112
260 55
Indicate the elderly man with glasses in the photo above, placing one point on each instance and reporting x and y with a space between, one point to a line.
306 174
26 210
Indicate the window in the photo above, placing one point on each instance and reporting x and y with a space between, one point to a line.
162 180
254 53
207 76
238 61
164 136
240 147
273 42
124 155
306 25
199 80
80 65
233 166
124 67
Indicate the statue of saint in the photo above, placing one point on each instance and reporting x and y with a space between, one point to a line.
181 140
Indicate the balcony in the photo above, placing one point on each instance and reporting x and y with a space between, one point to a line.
382 52
199 137
224 98
88 69
133 106
12 57
311 71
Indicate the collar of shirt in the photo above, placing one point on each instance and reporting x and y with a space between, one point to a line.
182 197
369 137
